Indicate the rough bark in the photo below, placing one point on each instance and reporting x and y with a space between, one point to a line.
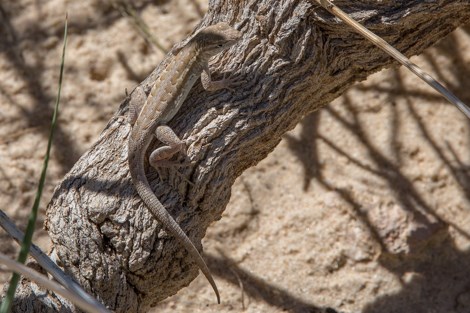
295 58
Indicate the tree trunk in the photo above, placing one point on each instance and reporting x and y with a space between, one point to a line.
296 58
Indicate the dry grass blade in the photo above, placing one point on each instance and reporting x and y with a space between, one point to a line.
51 285
397 55
127 10
241 286
48 265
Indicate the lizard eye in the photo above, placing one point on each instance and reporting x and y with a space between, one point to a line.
220 45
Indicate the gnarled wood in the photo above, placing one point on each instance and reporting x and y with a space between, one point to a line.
295 58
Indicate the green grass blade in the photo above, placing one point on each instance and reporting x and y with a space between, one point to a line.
7 302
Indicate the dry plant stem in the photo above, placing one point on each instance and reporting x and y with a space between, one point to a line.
397 55
51 285
126 9
49 266
242 288
296 58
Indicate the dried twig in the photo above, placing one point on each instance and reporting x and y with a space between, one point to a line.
397 55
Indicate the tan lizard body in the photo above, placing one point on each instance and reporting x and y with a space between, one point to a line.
164 101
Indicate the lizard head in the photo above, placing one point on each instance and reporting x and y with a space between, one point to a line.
216 38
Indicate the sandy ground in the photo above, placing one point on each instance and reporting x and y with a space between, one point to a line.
364 207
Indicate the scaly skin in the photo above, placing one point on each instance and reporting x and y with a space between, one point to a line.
164 101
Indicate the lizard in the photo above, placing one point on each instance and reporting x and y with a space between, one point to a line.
184 66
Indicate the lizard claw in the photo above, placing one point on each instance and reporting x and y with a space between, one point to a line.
232 83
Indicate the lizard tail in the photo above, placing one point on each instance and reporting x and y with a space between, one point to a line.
161 214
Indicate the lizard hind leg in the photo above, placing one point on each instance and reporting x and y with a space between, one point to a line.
173 144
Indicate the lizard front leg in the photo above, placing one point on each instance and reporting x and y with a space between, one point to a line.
138 98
